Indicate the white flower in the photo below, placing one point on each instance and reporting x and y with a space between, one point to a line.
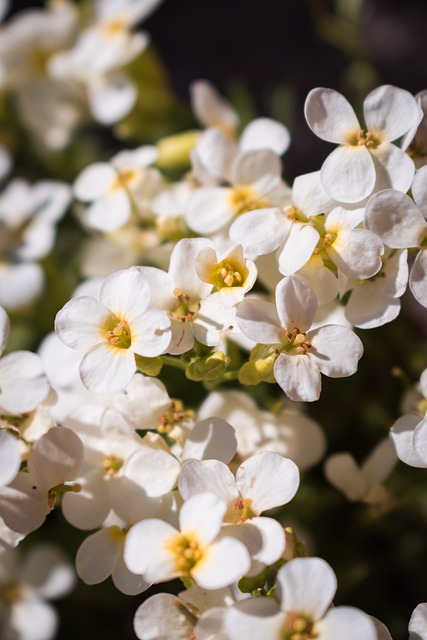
376 300
117 188
160 552
194 312
418 623
26 584
302 355
305 589
256 183
366 160
401 224
113 330
364 483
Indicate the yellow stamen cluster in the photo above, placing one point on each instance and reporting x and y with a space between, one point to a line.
119 336
244 198
298 627
297 341
364 138
239 511
115 27
173 416
112 465
124 179
186 550
185 309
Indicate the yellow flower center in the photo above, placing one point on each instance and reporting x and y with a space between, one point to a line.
243 198
173 416
297 342
124 179
112 465
364 138
185 309
186 550
239 511
298 627
118 333
115 27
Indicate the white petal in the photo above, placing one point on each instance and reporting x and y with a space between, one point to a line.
268 479
348 174
225 562
126 581
249 167
212 438
395 218
146 550
23 384
4 329
56 457
390 110
33 619
126 293
348 623
418 623
259 321
309 196
203 514
336 350
272 539
330 115
10 458
402 435
394 169
94 181
182 270
254 618
264 133
162 617
80 324
418 278
343 473
111 98
298 377
151 333
88 508
212 157
209 209
106 369
296 303
98 554
380 462
297 248
211 109
356 252
419 190
48 570
260 231
307 586
20 284
23 505
208 475
152 469
109 213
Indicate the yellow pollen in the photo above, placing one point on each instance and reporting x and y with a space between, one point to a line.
186 551
115 27
124 179
243 198
364 138
112 465
297 342
298 627
118 335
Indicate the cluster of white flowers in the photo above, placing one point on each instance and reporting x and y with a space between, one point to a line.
226 274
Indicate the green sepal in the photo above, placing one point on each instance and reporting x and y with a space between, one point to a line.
149 366
208 368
